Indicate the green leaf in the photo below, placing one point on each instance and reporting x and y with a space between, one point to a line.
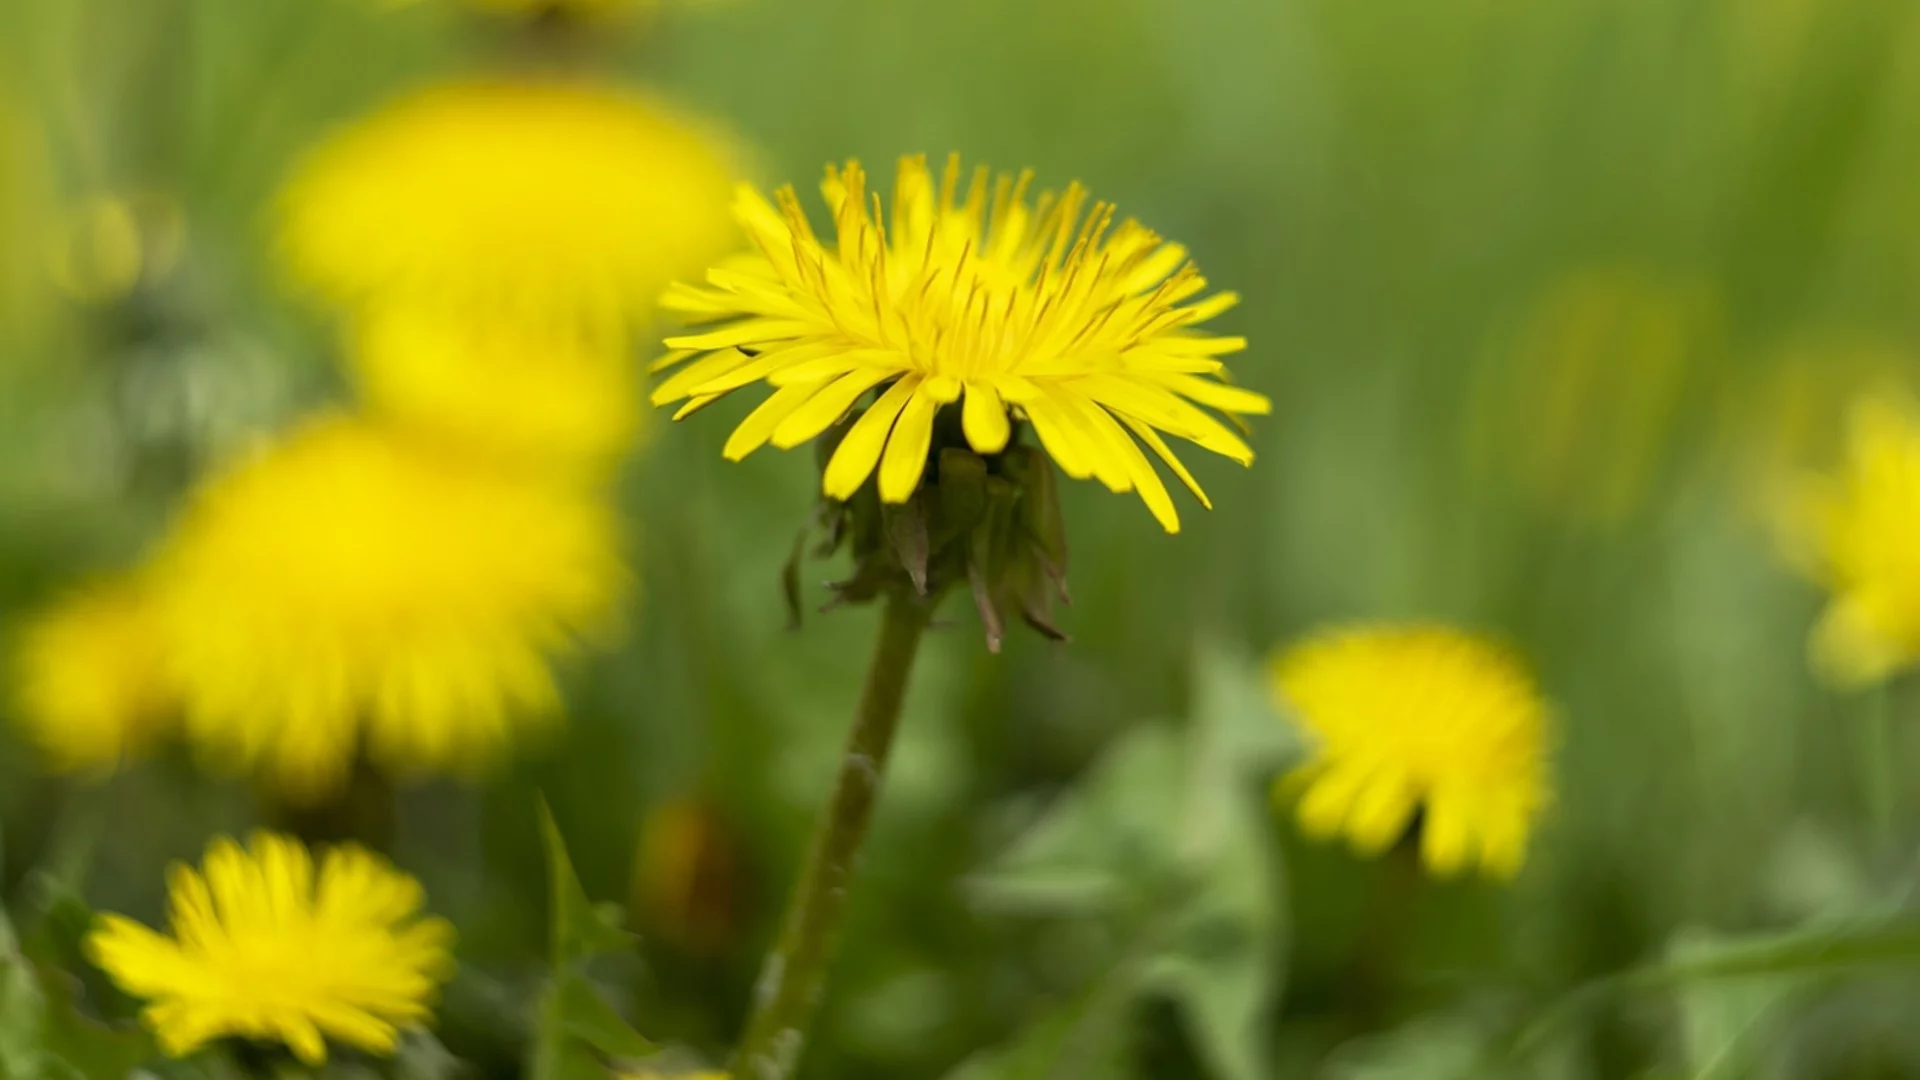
42 1030
1083 1041
1723 1023
1824 949
1237 738
1445 1047
579 928
578 1030
1097 844
585 1016
1166 837
23 1009
1224 960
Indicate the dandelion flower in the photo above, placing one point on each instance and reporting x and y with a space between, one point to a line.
349 583
559 204
1043 310
497 389
1418 724
1858 531
87 676
264 948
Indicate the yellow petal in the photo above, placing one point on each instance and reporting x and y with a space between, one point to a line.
984 416
1159 446
906 456
757 428
825 408
1145 481
859 450
1380 814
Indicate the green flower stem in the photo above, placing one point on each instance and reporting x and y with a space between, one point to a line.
794 975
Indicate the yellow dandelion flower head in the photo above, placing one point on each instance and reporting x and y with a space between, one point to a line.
1417 723
1037 308
263 947
1858 531
87 676
498 389
555 202
348 583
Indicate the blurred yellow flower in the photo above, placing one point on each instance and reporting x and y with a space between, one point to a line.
1047 309
498 390
1858 532
87 678
1592 383
1417 724
561 205
350 583
263 948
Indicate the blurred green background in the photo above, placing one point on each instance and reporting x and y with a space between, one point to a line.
1545 295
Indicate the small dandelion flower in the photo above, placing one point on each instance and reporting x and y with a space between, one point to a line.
87 676
352 585
1044 310
497 389
1418 724
265 948
1858 532
558 204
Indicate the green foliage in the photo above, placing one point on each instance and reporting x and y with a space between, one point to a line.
1395 187
578 1032
44 1035
1167 846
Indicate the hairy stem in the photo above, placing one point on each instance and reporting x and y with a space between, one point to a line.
794 975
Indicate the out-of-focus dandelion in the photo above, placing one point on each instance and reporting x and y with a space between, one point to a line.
87 676
263 947
1046 311
1858 532
350 585
562 205
1592 384
497 387
1417 726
